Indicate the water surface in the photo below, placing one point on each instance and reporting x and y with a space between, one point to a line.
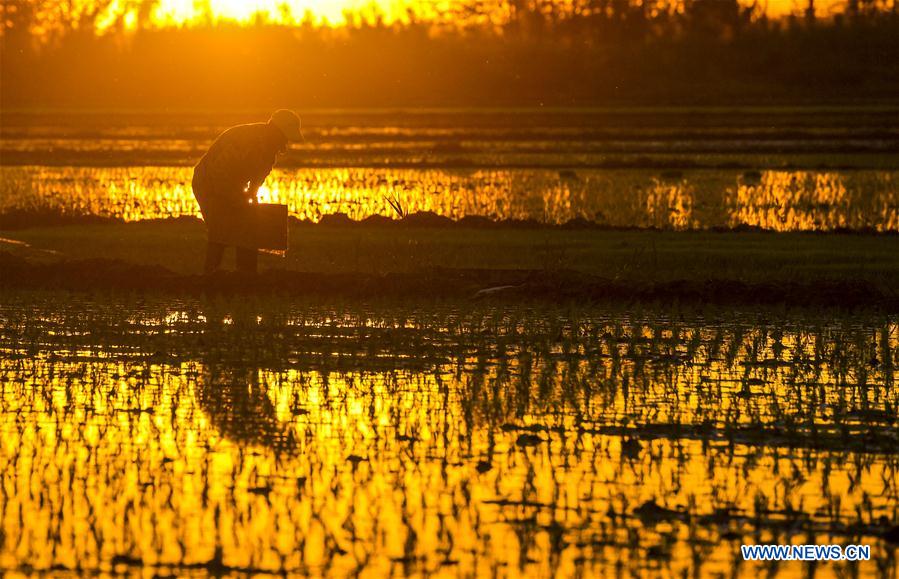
779 200
263 437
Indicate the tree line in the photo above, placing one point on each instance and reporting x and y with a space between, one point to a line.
56 53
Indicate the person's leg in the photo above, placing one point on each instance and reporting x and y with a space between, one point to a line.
214 254
247 259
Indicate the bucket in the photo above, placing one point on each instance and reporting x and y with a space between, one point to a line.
269 229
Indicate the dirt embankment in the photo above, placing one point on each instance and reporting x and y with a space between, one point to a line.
16 219
441 283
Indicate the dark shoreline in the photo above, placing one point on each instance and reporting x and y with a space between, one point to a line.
99 275
15 219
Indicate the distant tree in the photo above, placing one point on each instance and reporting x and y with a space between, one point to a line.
810 14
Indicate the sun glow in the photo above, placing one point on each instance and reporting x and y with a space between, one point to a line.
165 13
180 12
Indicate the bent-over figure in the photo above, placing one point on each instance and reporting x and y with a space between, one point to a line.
227 179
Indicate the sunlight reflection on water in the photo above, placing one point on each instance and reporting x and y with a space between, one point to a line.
474 441
777 200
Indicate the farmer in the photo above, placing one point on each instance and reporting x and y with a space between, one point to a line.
227 179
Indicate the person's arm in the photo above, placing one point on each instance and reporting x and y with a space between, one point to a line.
256 182
253 189
259 174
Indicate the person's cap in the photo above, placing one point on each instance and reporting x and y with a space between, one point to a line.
289 124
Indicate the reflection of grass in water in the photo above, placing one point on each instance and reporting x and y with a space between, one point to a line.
426 435
781 200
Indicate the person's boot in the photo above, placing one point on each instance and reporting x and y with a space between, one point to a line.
247 259
214 254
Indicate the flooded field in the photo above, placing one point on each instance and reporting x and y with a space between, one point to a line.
259 435
434 401
783 170
778 200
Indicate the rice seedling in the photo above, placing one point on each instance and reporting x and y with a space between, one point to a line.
781 200
260 435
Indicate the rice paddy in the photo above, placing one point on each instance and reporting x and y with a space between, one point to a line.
799 169
596 343
774 200
259 436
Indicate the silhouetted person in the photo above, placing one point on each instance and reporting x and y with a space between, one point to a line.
227 179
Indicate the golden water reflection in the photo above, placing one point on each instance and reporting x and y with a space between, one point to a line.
255 437
776 200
